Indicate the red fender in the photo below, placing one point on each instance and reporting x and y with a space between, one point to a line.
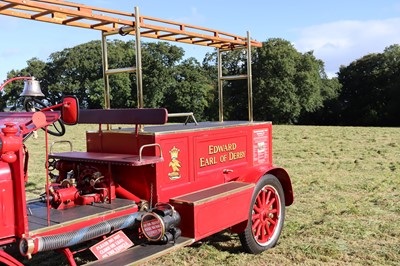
283 178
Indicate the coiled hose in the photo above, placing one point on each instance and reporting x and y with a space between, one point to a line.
69 239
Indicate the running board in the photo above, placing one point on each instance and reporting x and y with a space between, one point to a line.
143 253
213 209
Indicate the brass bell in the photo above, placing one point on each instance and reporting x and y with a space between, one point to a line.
32 88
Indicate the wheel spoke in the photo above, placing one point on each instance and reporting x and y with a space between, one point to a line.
258 230
257 209
259 201
273 222
270 203
255 216
273 211
269 232
263 198
268 196
256 224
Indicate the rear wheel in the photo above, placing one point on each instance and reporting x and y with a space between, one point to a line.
267 213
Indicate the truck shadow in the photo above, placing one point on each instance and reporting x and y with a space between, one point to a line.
223 241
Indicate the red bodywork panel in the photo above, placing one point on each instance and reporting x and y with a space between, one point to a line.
207 172
7 219
195 158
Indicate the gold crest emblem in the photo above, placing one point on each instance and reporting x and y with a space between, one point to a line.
175 164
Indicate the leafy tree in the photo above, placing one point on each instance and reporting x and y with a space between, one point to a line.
287 84
158 60
234 92
328 114
78 71
209 66
191 91
371 89
392 66
75 71
122 86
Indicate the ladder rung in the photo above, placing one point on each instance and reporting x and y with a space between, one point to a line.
236 77
120 70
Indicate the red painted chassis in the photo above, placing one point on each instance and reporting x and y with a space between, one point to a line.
212 176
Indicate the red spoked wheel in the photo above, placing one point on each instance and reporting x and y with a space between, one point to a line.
267 214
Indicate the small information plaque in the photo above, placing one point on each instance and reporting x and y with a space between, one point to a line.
112 245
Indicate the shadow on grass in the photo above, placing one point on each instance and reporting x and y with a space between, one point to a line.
222 241
33 187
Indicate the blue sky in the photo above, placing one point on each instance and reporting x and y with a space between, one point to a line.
338 32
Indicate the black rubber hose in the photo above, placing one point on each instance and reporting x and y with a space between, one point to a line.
87 233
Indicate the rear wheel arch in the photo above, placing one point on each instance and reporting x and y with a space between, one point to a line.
286 183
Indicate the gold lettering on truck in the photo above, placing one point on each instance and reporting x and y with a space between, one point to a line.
221 153
221 148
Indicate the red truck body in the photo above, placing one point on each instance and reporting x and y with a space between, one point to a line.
140 180
207 173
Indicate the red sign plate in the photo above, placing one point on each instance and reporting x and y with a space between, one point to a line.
260 146
112 245
152 227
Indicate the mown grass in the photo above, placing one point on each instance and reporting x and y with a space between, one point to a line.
346 211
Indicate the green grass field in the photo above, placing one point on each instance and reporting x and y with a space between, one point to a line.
346 211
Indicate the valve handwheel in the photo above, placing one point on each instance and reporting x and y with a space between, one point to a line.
33 105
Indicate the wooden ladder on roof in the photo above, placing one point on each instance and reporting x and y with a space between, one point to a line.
111 22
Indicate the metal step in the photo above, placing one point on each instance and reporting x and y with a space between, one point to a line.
143 253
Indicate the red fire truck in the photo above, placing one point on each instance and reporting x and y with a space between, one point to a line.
168 185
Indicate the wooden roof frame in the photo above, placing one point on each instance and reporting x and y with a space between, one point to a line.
112 21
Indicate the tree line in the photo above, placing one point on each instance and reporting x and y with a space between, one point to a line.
289 87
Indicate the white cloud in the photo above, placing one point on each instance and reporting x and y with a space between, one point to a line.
340 43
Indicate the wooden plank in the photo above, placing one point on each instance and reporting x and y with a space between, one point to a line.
100 24
209 194
71 12
7 6
66 21
142 253
67 13
41 14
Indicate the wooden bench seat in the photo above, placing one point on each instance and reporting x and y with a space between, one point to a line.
105 158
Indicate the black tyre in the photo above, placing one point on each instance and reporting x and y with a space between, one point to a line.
266 217
34 105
